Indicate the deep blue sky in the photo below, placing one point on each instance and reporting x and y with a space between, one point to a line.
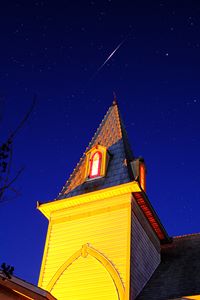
53 49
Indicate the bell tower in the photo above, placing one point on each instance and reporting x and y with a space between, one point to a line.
103 239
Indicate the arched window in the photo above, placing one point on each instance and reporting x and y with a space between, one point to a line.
96 162
95 165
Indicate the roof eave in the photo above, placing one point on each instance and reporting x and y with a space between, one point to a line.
153 218
47 208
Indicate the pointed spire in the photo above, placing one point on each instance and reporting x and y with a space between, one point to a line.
114 99
111 134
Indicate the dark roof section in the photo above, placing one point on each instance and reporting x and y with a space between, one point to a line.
178 274
112 135
24 288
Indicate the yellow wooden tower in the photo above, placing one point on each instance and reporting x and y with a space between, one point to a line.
103 240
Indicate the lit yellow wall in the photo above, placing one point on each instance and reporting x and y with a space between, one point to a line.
103 272
195 297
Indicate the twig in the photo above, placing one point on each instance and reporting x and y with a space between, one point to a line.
23 121
12 181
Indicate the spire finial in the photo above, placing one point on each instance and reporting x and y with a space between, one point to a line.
115 98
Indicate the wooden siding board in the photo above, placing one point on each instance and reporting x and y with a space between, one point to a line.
94 277
106 231
145 255
145 224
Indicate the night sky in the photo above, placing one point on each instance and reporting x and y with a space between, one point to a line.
54 49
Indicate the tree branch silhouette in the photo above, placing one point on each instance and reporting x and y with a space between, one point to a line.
6 155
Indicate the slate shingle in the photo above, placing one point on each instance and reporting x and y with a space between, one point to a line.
178 274
112 135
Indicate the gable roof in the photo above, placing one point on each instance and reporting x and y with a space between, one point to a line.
16 286
178 274
111 134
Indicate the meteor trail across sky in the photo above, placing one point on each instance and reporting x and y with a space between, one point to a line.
109 57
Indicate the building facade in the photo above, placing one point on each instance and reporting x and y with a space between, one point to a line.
104 239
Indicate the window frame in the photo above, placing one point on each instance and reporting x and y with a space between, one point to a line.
103 164
92 162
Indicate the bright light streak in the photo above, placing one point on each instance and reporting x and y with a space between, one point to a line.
108 58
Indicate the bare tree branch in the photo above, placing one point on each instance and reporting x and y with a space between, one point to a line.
6 186
6 155
23 121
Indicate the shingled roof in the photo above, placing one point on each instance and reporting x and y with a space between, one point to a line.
112 135
178 274
16 288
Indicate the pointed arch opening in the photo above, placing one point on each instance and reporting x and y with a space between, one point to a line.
84 252
95 165
97 159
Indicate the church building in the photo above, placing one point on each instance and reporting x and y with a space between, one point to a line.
105 240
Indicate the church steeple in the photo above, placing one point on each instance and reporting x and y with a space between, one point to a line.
104 237
112 135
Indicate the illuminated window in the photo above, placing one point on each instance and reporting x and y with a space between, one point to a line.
95 165
143 176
